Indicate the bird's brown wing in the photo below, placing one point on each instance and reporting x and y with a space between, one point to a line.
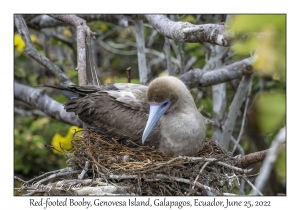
120 110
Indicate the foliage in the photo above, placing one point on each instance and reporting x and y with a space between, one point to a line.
30 155
270 48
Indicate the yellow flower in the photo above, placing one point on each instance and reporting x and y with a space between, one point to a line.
20 45
59 141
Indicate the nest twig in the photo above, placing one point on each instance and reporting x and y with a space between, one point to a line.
131 169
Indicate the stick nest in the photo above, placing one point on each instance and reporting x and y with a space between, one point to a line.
142 170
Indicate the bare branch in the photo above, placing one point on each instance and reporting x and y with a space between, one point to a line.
269 161
81 30
32 52
44 103
243 120
84 170
200 78
187 32
140 42
234 109
45 21
189 64
216 57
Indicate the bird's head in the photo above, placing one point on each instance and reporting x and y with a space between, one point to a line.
164 94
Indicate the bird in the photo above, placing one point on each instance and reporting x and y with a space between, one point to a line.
163 114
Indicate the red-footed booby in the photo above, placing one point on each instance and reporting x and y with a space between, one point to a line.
163 114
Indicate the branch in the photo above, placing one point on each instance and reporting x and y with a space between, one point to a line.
81 30
269 161
253 187
243 120
32 52
199 78
140 42
167 51
187 32
45 21
254 158
44 103
234 109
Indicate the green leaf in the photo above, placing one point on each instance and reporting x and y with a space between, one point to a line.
271 111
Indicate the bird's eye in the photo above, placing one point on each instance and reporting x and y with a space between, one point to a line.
165 103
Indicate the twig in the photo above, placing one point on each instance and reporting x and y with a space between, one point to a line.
32 192
197 177
43 175
85 169
128 73
199 185
91 70
198 159
189 64
239 147
116 51
253 187
57 175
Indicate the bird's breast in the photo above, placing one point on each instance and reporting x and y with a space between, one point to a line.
183 133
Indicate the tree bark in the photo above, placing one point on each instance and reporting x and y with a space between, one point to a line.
187 32
44 103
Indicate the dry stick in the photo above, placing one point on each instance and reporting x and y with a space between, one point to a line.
85 169
269 161
57 175
128 73
33 53
196 180
198 159
244 118
32 192
139 32
187 181
43 175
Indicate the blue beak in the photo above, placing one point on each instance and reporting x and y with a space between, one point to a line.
156 111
